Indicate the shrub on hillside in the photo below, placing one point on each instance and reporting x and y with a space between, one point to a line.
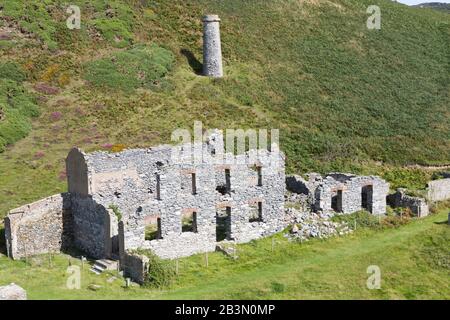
115 31
33 17
17 109
139 67
11 71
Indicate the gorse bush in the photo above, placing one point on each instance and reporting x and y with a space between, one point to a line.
406 178
34 17
115 31
11 71
139 67
16 109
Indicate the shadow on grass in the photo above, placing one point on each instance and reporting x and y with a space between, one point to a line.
195 64
2 241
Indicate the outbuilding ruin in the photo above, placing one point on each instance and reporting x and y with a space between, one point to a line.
342 192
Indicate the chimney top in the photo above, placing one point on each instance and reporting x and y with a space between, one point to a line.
211 18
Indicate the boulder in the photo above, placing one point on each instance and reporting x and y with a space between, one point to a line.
12 292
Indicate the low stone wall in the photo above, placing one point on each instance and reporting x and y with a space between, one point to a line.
418 206
134 266
438 190
40 227
181 245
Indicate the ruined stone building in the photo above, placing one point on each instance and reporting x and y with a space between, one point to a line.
144 199
342 193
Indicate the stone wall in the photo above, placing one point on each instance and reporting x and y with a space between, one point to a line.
77 173
92 227
146 185
134 266
40 227
243 194
438 190
297 184
418 206
348 193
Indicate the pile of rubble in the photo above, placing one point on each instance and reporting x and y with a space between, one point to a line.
308 225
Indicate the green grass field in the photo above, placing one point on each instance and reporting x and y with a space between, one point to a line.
414 262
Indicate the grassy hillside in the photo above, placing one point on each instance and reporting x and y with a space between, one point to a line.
413 259
343 97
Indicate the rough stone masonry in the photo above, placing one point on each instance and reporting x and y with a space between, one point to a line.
212 48
342 192
114 198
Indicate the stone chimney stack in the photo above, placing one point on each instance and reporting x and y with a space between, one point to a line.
212 49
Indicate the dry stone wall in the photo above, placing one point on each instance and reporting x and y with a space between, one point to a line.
40 227
135 266
92 227
348 193
418 206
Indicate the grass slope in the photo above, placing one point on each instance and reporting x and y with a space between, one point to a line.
414 262
345 98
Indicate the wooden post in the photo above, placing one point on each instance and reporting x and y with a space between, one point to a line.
206 259
127 282
82 263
